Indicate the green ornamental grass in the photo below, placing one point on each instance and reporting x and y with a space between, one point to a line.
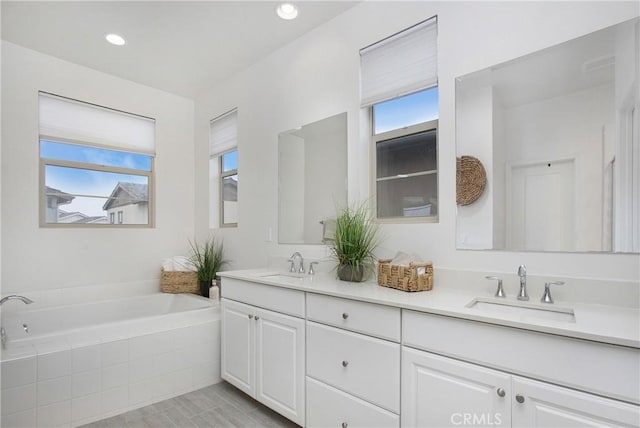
355 240
208 258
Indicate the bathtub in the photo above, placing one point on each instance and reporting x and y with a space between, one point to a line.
72 365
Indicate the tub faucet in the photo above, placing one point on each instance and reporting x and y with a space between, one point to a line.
293 261
522 273
24 300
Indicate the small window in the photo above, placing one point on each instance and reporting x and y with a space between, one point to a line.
223 170
94 162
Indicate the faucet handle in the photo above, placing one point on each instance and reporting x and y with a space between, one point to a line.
311 270
522 270
546 297
500 291
291 268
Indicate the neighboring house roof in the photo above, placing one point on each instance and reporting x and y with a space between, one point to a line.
63 198
78 217
229 189
127 194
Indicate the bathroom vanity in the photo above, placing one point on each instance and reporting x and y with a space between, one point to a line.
323 352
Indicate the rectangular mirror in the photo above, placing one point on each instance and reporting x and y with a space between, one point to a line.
557 133
312 180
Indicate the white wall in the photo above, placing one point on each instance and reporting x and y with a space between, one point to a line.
318 75
35 258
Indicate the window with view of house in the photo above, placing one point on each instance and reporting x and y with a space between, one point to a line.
96 165
223 170
400 89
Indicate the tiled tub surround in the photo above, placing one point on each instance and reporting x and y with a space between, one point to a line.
68 373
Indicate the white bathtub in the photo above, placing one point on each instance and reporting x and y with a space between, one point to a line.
71 365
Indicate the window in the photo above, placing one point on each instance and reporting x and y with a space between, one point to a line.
400 87
94 162
223 170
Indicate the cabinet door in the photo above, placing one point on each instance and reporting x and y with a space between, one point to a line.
280 364
440 392
238 345
537 404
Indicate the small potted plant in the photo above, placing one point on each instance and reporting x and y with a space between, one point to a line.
208 260
354 243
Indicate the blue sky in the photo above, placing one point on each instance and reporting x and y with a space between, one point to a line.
89 182
405 111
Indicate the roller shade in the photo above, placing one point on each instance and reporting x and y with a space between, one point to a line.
223 134
401 64
66 119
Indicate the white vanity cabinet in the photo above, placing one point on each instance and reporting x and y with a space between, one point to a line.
263 349
353 363
444 391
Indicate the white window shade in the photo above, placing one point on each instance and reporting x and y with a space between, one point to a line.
69 120
223 134
404 63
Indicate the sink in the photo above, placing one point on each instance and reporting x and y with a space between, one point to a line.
284 276
523 310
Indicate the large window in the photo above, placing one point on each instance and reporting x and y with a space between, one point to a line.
223 170
96 165
400 88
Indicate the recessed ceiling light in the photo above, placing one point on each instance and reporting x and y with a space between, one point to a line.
115 39
287 11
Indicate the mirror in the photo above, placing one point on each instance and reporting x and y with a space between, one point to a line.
312 180
557 133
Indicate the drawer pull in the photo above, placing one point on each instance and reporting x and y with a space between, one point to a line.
250 317
345 315
345 363
500 392
520 398
344 425
257 318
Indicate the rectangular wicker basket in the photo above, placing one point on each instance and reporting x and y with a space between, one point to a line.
179 282
405 278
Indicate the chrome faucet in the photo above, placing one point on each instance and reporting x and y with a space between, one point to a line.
293 260
24 300
522 273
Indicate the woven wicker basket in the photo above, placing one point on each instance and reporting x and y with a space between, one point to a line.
405 278
179 282
471 180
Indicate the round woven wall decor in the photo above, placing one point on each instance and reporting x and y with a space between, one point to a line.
471 179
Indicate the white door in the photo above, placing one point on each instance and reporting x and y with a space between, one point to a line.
280 362
541 206
537 404
238 345
442 392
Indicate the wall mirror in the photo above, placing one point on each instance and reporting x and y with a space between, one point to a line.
312 180
557 132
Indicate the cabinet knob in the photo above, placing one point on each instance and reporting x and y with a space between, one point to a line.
344 425
345 363
520 398
257 318
250 316
500 392
345 315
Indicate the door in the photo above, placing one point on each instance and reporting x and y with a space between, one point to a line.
280 366
441 392
541 206
238 345
537 404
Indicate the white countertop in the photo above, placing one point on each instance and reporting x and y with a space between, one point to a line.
608 324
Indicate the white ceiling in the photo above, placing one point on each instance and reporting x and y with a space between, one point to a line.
176 46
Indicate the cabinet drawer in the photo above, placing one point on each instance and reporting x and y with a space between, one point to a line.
283 300
364 366
330 407
547 357
368 318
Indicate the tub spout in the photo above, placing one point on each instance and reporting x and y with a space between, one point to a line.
24 300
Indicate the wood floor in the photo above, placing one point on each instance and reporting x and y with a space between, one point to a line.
220 405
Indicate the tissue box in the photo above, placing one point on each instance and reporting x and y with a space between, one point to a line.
175 281
418 276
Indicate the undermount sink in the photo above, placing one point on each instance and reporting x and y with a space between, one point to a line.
525 310
285 276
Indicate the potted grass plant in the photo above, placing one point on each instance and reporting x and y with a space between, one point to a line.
208 259
354 243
